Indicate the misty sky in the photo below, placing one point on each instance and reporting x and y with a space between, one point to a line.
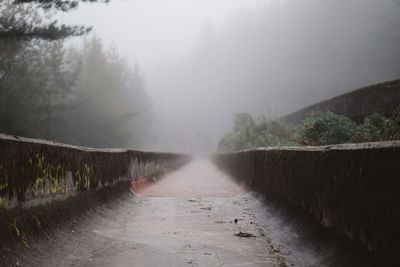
149 31
204 60
155 34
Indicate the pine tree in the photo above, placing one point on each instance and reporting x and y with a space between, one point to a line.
16 27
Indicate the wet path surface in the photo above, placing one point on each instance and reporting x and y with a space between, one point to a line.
200 178
193 217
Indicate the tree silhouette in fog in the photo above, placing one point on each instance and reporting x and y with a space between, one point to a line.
16 27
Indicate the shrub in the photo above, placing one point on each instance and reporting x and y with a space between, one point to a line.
325 129
376 127
315 130
250 133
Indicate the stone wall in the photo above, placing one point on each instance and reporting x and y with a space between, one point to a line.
34 172
44 183
350 189
382 98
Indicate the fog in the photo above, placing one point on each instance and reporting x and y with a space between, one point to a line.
154 30
204 60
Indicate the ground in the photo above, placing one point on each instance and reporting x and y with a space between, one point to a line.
196 216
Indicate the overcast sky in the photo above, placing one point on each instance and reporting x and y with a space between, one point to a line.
147 31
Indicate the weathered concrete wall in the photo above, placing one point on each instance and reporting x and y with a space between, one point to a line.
33 172
351 189
36 173
382 98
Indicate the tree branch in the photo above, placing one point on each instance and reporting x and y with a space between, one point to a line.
50 32
63 5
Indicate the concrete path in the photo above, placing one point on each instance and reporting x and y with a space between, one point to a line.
189 218
200 178
192 216
196 216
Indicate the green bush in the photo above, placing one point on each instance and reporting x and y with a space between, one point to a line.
376 127
250 133
315 130
325 129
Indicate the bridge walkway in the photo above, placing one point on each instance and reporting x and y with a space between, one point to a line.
196 216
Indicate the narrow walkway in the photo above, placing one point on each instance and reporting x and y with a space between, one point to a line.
189 218
199 178
195 216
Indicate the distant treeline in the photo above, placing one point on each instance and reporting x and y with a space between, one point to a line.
315 130
85 96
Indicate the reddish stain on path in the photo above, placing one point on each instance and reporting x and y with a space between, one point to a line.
198 178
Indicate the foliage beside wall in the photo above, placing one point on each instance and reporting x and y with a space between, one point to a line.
316 129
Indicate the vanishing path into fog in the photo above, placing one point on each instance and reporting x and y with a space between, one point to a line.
191 217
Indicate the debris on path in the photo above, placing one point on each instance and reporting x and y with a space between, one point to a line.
248 235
